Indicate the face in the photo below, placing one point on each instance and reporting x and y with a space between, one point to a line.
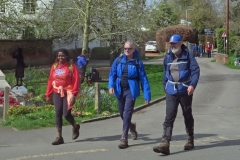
62 58
176 47
128 50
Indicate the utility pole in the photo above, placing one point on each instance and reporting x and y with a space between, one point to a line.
227 25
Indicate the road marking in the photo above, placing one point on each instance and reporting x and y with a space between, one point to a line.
59 154
223 137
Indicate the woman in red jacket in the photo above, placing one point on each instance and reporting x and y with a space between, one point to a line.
64 83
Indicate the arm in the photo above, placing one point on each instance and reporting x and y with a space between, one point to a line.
164 79
75 80
49 89
112 75
195 70
144 82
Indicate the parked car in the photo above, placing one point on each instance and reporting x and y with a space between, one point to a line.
151 46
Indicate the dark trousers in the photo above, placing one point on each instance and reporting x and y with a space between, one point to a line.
61 109
209 54
172 102
82 72
125 107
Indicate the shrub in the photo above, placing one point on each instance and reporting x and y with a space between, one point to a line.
22 110
163 35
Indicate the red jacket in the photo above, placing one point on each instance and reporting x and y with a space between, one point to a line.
209 47
63 76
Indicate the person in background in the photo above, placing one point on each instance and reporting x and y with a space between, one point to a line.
19 70
125 74
82 64
195 50
201 50
63 83
180 78
209 49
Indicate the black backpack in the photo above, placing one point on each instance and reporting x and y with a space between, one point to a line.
94 74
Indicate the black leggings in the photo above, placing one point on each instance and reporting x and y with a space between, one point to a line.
61 109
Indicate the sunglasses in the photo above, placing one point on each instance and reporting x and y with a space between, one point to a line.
128 49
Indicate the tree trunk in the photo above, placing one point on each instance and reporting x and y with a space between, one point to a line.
86 30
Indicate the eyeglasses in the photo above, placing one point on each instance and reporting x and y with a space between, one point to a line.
128 49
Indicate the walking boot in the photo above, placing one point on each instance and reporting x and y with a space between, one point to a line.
163 148
75 131
123 144
59 139
190 143
133 131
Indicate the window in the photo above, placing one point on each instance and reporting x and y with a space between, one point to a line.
29 6
2 7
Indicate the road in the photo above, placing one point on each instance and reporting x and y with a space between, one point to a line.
217 136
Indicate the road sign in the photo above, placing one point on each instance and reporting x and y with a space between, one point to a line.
224 35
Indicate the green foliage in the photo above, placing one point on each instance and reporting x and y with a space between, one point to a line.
162 15
100 53
220 40
23 110
233 46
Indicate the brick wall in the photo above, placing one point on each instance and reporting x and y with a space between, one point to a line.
222 58
35 52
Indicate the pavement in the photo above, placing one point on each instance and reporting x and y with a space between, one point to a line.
216 111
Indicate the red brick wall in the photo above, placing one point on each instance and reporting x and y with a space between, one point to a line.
35 52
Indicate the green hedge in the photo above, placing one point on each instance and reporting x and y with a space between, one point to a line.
233 43
100 53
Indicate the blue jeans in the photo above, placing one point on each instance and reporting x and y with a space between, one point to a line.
125 106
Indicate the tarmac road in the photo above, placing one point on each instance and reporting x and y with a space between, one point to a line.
216 112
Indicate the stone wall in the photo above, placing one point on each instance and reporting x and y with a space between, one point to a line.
222 58
35 52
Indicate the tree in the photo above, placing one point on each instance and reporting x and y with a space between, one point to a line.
28 20
108 20
162 15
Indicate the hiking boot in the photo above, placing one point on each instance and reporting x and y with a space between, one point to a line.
75 132
190 143
57 141
133 131
162 148
123 144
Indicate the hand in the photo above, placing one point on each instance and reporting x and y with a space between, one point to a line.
111 91
147 102
72 100
48 100
190 90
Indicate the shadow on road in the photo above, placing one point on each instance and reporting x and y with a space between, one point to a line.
213 145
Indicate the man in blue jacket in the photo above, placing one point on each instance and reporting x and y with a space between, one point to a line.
181 74
195 50
126 72
82 65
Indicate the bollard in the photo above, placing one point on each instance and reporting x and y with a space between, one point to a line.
6 102
97 97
